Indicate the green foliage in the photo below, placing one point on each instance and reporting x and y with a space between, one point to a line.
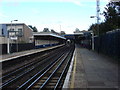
52 31
111 14
33 28
93 28
46 30
30 26
76 30
112 19
62 33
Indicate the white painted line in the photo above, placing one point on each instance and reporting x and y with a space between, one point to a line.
30 53
67 79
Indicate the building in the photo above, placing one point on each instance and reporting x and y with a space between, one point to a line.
44 39
84 38
17 32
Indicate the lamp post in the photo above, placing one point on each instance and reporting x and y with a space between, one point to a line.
8 44
98 18
60 27
16 36
93 35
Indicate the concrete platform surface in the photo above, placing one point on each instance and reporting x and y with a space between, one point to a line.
27 52
92 70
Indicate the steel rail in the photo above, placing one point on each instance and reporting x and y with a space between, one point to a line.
60 66
43 74
24 66
43 70
63 72
18 70
10 81
43 85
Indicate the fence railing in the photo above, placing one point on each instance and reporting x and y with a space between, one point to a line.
16 47
109 43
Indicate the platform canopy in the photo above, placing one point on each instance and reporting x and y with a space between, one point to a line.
73 36
47 34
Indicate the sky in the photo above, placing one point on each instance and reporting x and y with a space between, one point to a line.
59 15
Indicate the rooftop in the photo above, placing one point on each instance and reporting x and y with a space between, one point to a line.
47 34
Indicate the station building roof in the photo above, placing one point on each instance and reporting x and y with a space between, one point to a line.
72 36
47 34
15 24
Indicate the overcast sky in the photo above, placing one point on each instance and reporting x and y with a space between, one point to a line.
52 14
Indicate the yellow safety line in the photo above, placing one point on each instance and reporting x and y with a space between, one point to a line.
73 74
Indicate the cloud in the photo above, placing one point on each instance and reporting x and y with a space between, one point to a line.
73 1
52 0
76 2
35 11
2 15
59 22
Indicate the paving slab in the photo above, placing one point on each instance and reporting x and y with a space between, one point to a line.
93 70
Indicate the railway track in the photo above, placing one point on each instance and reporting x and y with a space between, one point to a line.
31 71
26 66
13 76
52 77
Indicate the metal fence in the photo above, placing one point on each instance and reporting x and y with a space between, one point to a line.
16 47
109 44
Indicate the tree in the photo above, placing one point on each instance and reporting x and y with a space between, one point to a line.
112 19
46 30
30 26
112 15
62 32
93 28
52 31
76 30
34 29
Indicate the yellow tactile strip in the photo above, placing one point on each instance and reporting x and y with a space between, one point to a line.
73 74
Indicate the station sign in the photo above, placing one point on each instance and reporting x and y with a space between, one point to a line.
13 38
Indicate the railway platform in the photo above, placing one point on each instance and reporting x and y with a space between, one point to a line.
93 71
22 53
